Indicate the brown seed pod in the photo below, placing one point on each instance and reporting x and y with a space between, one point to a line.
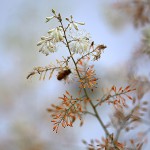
63 74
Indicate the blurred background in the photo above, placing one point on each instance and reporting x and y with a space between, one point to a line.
124 27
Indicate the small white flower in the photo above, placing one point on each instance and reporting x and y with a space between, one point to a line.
80 45
40 43
51 31
51 47
58 35
70 26
49 18
48 43
44 51
75 25
80 23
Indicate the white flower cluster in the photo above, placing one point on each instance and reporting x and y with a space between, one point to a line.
56 34
48 43
74 24
80 44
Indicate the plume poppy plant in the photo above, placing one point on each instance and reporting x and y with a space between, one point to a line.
82 50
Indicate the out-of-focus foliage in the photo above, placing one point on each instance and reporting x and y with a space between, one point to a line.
137 13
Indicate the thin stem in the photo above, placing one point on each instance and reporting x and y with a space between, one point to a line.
108 97
90 113
97 115
126 123
119 131
94 108
95 111
84 56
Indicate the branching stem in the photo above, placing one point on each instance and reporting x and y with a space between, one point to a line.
94 109
104 98
85 92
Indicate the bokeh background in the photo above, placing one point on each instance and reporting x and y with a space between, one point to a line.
24 121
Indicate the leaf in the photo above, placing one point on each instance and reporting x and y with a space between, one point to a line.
127 88
67 93
129 97
55 128
132 141
120 89
63 124
114 88
51 74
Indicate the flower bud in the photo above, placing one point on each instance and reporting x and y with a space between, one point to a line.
67 19
75 26
43 38
53 11
52 30
39 43
70 26
49 18
80 23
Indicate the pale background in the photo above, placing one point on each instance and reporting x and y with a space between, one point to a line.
24 122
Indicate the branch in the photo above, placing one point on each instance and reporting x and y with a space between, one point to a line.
95 111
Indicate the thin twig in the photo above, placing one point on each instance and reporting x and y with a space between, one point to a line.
90 113
104 98
94 108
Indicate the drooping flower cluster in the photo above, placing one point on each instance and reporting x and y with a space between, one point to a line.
120 101
87 74
117 97
73 24
80 45
104 144
43 71
48 43
68 111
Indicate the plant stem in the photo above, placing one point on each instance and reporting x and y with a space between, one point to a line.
108 97
94 109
